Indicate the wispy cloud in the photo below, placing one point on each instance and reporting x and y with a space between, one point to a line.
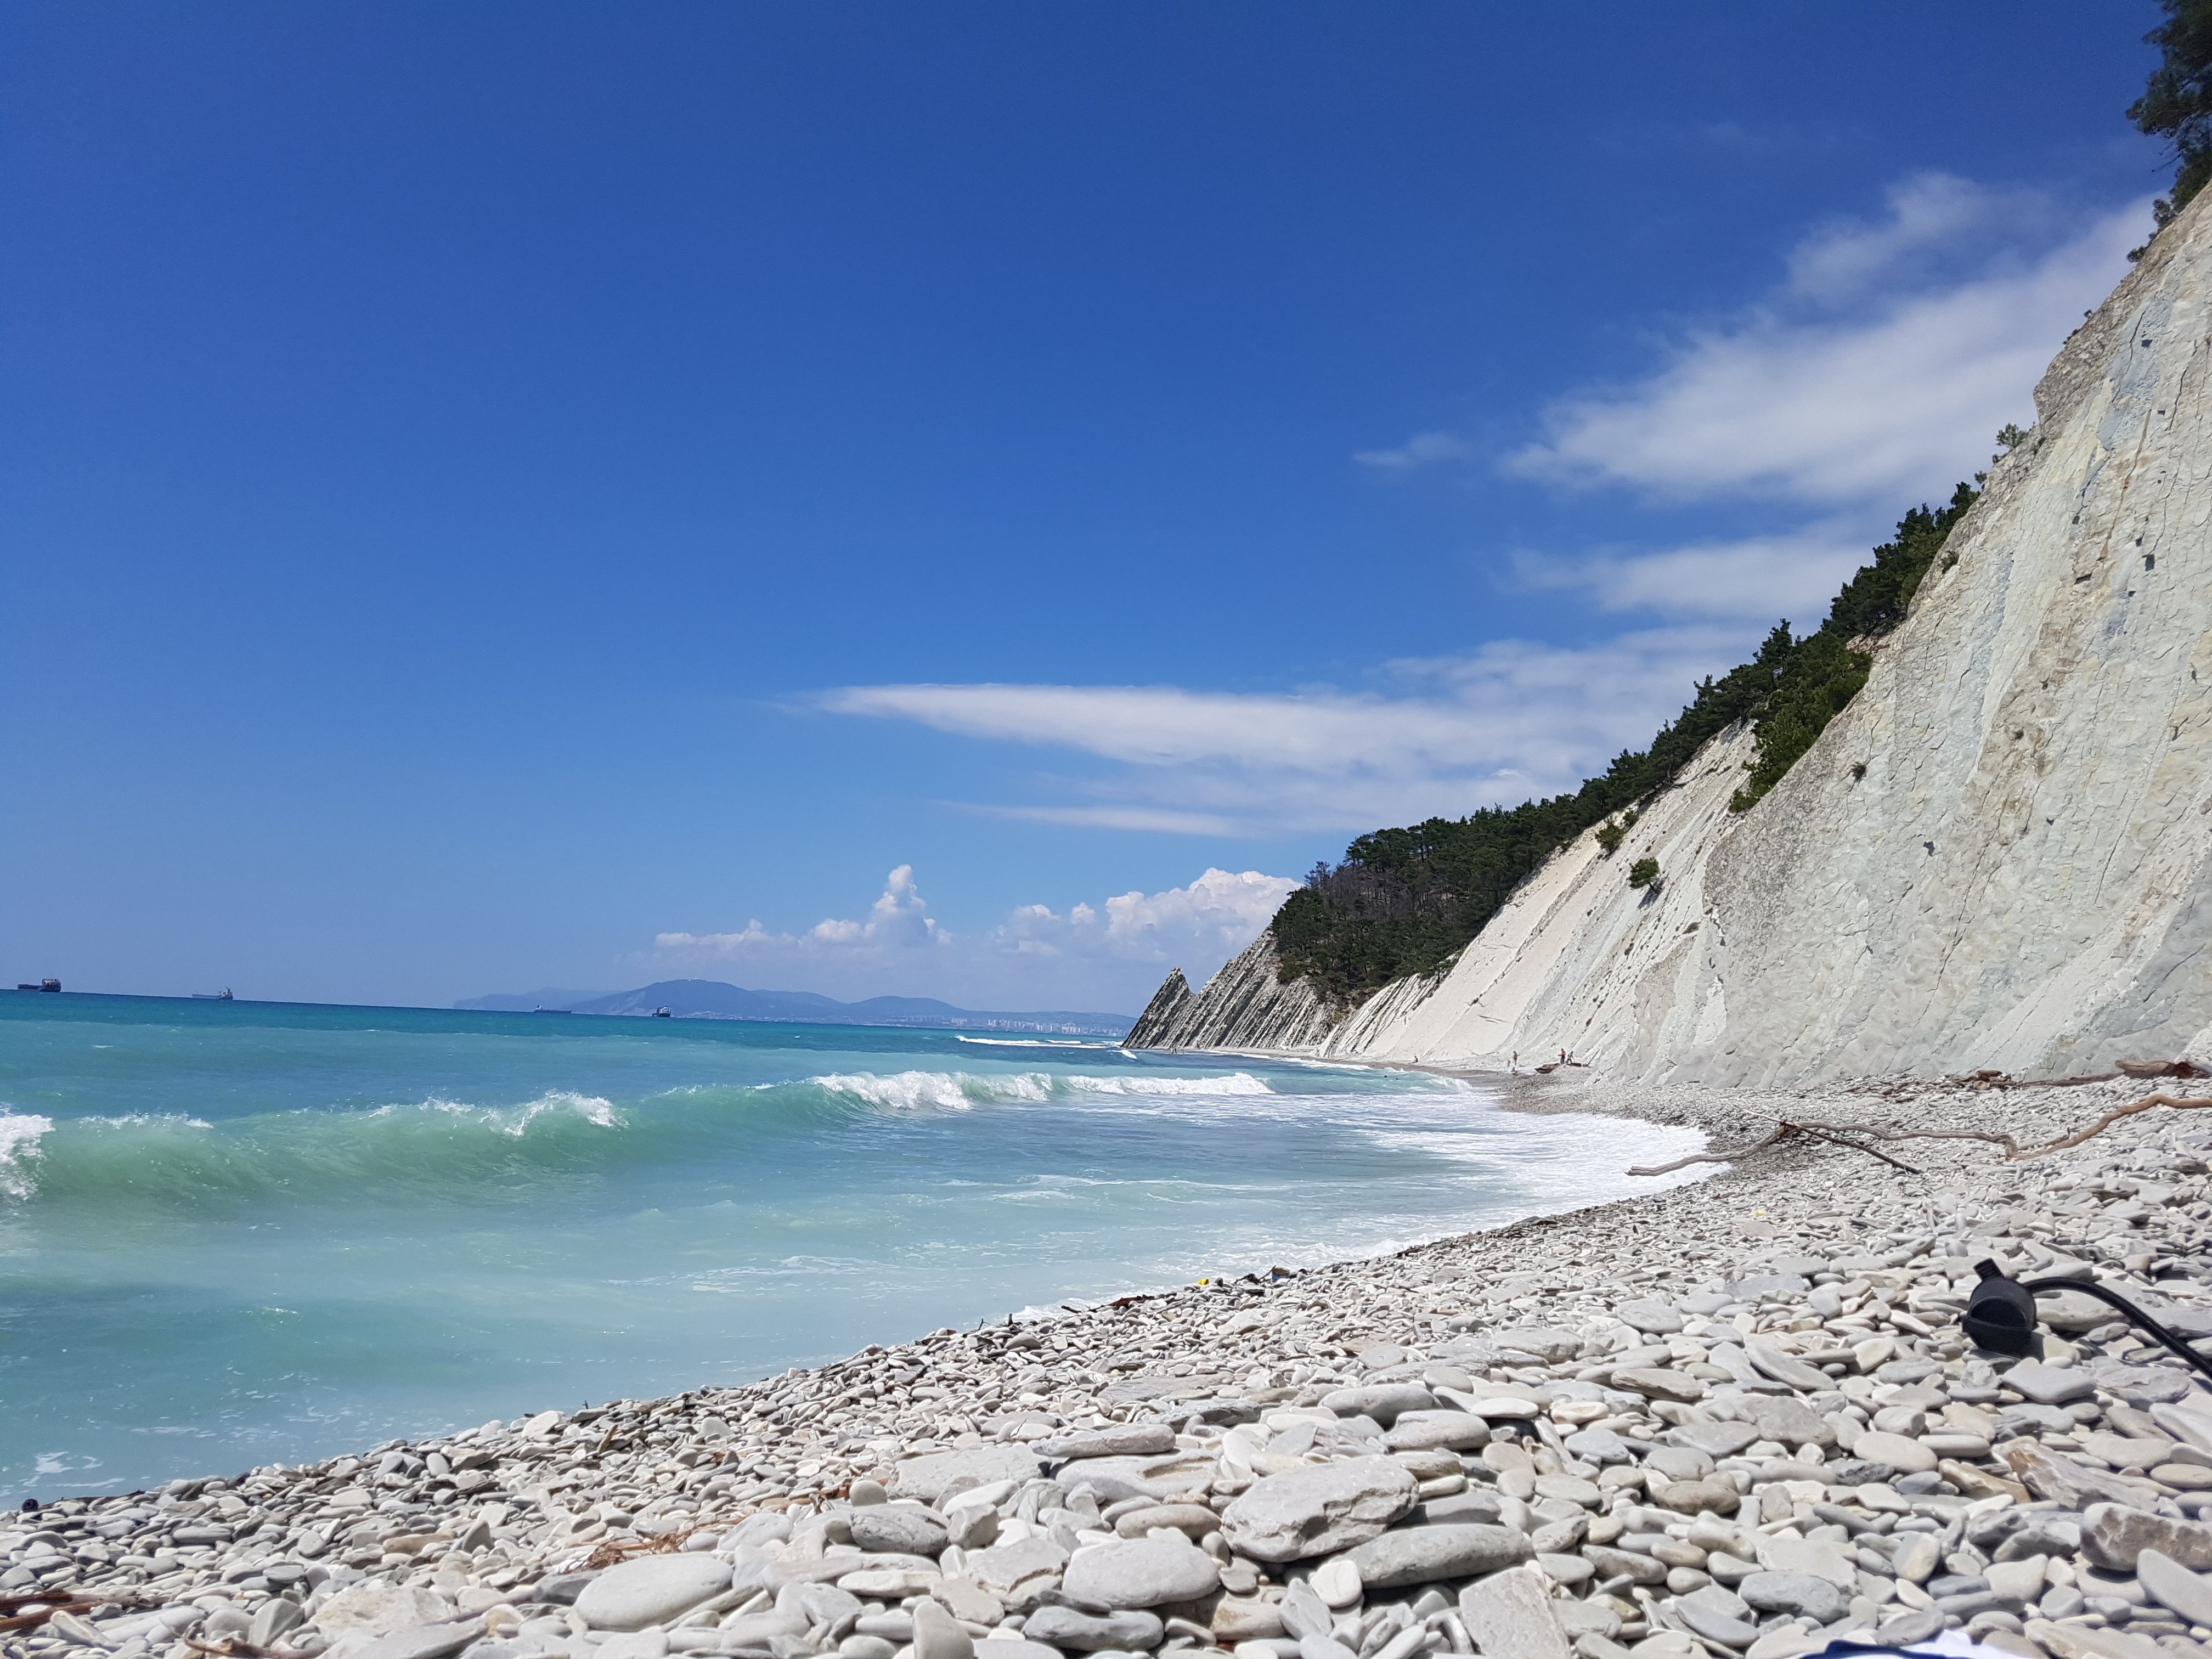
1873 376
1792 574
1844 391
1874 373
1451 734
1107 954
1419 449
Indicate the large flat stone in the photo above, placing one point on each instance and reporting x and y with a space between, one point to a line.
2114 1537
1140 1572
2050 1385
1087 1632
1383 1401
1319 1509
930 1477
2172 1585
651 1590
1509 1616
1422 1555
1122 1440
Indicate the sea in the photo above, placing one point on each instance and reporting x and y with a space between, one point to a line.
241 1233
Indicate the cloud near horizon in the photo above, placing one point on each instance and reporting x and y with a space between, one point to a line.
1117 949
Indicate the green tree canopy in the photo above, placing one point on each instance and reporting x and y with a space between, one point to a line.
2177 101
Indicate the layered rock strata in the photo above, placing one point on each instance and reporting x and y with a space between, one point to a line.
1733 1419
1995 856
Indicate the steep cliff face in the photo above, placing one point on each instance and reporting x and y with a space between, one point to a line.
1996 855
1242 1007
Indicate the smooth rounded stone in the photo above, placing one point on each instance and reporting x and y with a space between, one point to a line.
1140 1572
1303 1612
1002 1566
1093 1632
936 1636
1699 1497
1679 1462
1318 1509
1509 1616
1381 1401
1719 1615
1906 1455
1816 1556
1337 1582
1918 1558
932 1476
2172 1585
1323 1646
2018 1581
651 1590
372 1607
1794 1592
1613 1563
1503 1407
1714 1439
1786 1369
1652 1318
1569 1570
1906 1630
1009 1647
1121 1440
886 1528
866 1493
1193 1519
1425 1431
2071 1641
1476 1504
1422 1555
2050 1385
1245 1618
1596 1445
1569 1489
1546 1342
885 1583
1659 1383
857 1646
1791 1422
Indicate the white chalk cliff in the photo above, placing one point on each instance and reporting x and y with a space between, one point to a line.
1995 856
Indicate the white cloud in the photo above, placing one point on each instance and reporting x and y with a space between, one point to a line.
1872 378
1933 217
1792 574
1107 955
1419 449
1504 721
1890 404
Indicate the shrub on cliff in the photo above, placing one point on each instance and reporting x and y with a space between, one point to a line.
1644 873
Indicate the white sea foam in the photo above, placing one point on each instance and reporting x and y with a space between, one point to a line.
515 1120
1034 1043
1231 1083
958 1091
19 1148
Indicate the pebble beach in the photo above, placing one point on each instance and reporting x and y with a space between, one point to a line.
1734 1418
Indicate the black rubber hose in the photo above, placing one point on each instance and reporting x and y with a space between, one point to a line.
2136 1316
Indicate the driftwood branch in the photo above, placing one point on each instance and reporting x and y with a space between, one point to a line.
1854 1136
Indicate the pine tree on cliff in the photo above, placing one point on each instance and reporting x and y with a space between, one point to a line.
2177 101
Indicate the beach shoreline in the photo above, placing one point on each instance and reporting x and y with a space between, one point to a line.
1639 1382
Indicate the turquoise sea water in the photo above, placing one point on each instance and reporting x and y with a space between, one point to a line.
239 1233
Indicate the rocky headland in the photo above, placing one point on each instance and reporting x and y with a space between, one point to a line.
1733 1419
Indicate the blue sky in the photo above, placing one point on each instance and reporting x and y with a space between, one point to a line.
496 496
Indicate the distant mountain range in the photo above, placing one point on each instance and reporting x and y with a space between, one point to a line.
707 998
